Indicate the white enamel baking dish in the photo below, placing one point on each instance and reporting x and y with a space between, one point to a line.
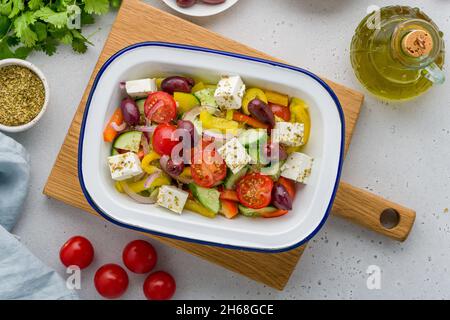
151 59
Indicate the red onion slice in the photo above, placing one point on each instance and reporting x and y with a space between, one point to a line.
147 129
192 114
137 197
151 178
145 145
118 128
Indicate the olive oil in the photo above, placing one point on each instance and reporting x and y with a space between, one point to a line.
397 53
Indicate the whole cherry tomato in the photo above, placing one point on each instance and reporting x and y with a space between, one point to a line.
139 256
164 139
77 251
111 281
159 286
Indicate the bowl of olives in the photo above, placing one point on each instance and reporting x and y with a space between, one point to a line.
200 8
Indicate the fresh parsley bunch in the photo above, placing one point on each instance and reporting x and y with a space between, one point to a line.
27 25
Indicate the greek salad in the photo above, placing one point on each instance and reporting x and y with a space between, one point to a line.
213 149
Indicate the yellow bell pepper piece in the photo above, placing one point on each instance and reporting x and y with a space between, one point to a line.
229 114
300 113
149 158
211 86
118 186
158 82
194 206
139 186
198 86
211 122
186 173
186 101
251 94
277 98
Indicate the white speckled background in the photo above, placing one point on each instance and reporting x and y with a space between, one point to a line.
398 151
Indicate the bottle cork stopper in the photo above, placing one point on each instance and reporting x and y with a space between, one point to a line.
417 43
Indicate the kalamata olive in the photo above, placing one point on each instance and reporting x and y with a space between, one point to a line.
261 111
177 84
280 197
274 152
170 167
190 129
130 111
186 3
213 1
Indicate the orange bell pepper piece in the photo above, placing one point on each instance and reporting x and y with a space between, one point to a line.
229 195
109 134
240 117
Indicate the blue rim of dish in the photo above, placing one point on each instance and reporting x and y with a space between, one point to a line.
222 53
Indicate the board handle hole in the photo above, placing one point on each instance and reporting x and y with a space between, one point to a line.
390 218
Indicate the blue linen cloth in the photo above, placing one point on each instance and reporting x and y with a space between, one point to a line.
22 275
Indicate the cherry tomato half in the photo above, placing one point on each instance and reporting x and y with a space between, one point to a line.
160 107
139 256
159 286
289 185
280 111
111 281
77 251
254 190
162 139
207 168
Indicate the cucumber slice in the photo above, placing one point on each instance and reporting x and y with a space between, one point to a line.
130 141
208 197
206 97
273 170
231 179
249 212
252 136
140 104
114 151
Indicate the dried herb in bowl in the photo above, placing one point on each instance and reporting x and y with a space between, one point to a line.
22 95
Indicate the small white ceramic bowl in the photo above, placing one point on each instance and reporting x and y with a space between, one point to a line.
38 72
201 9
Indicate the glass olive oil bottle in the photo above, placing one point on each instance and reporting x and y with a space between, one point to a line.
397 53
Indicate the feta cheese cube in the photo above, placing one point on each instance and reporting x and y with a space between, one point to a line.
229 93
234 155
288 133
124 166
140 88
297 167
172 198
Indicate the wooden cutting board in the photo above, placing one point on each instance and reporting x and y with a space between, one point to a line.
137 22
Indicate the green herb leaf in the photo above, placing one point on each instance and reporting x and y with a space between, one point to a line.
35 4
5 24
79 45
87 18
41 30
22 28
96 6
17 7
58 19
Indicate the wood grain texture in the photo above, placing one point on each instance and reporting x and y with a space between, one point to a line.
369 208
137 22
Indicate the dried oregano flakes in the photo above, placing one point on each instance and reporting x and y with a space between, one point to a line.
22 95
